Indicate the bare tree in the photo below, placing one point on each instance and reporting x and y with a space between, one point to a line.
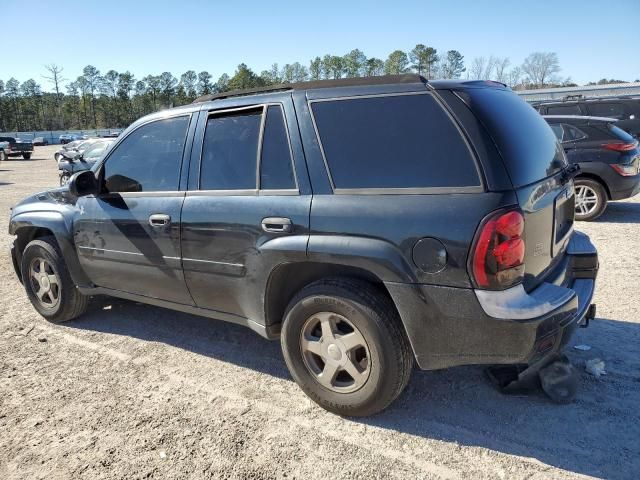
540 68
56 79
477 69
514 77
501 65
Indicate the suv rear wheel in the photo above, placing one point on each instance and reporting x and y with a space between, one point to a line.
591 199
3 156
48 282
345 346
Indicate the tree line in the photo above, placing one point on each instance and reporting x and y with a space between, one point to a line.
115 99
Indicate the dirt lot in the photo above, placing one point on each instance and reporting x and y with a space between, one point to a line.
132 391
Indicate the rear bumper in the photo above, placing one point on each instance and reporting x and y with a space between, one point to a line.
17 153
625 187
456 326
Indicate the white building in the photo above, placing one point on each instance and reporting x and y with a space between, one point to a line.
591 91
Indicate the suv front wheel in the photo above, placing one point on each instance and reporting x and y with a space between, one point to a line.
345 346
591 199
48 283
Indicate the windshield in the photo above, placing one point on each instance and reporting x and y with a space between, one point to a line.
96 151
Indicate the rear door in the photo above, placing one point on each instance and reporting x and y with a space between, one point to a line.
247 206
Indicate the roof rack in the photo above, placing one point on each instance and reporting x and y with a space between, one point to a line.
341 82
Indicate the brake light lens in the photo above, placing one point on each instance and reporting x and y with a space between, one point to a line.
620 147
497 260
625 170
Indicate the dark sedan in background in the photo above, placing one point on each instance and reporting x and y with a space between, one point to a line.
609 161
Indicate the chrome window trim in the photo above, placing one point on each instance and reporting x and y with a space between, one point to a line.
155 193
244 192
265 107
395 190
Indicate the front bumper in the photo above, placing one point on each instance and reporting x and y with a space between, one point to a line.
455 326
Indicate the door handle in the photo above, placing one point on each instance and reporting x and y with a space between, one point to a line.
159 220
277 225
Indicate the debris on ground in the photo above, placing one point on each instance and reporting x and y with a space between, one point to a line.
42 338
582 348
595 367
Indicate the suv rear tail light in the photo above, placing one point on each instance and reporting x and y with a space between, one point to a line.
497 256
625 170
620 147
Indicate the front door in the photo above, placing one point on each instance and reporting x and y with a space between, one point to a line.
128 236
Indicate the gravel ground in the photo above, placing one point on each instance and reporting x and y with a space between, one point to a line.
133 391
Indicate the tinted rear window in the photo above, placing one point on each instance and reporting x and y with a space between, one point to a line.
527 144
602 109
404 141
563 110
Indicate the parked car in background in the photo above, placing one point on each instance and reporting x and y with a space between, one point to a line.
18 147
67 138
625 110
75 146
76 161
609 161
40 141
366 223
4 148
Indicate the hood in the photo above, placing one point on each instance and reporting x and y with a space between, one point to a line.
54 199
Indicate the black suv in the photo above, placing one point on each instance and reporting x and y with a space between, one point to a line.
367 223
625 110
609 161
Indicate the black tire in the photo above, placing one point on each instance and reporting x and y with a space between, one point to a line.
3 156
26 156
601 199
71 303
373 314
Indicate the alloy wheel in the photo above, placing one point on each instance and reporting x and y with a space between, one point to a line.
586 200
45 282
335 352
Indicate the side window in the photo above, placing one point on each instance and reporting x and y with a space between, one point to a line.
276 168
603 109
397 141
563 110
230 151
148 160
557 130
572 133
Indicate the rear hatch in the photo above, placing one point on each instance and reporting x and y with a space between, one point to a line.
536 164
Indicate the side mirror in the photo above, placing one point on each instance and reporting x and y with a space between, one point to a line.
83 183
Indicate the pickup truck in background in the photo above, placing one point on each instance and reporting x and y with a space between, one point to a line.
18 147
4 147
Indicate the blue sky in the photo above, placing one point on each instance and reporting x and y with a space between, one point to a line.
593 39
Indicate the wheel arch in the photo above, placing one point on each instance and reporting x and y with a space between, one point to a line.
30 226
287 279
596 178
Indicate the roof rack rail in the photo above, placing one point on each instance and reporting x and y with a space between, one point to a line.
341 82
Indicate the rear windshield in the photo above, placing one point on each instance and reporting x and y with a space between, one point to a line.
527 144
